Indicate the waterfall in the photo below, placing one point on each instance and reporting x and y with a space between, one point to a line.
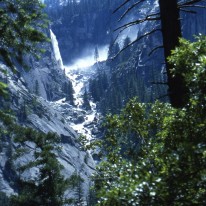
56 50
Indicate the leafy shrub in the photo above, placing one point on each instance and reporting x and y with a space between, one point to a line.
156 154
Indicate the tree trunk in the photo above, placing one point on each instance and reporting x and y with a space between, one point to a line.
171 32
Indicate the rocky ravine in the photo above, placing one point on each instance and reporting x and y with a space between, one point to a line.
45 115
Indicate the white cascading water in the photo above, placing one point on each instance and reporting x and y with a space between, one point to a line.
79 78
57 53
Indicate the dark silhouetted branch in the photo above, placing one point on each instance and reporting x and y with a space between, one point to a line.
153 50
188 11
194 6
191 2
166 83
139 21
125 29
130 8
120 6
135 41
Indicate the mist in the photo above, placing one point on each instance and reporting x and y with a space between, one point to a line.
87 59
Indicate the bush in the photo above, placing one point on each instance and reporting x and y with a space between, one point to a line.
156 154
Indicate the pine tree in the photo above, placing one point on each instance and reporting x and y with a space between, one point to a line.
112 52
68 90
169 16
94 89
49 185
4 200
155 153
86 105
21 24
126 54
36 89
96 54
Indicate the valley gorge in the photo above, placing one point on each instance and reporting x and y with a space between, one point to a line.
76 83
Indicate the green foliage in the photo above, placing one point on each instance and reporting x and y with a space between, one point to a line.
3 88
3 85
124 130
48 186
189 60
87 144
21 24
75 182
4 200
168 168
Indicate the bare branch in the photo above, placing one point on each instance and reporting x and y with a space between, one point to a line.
153 50
191 2
197 6
130 8
120 6
188 11
136 40
128 27
154 14
139 21
159 83
118 35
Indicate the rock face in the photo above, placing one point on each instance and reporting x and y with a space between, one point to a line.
30 94
45 77
193 24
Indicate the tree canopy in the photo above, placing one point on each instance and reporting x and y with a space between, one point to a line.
168 14
156 154
21 29
48 185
